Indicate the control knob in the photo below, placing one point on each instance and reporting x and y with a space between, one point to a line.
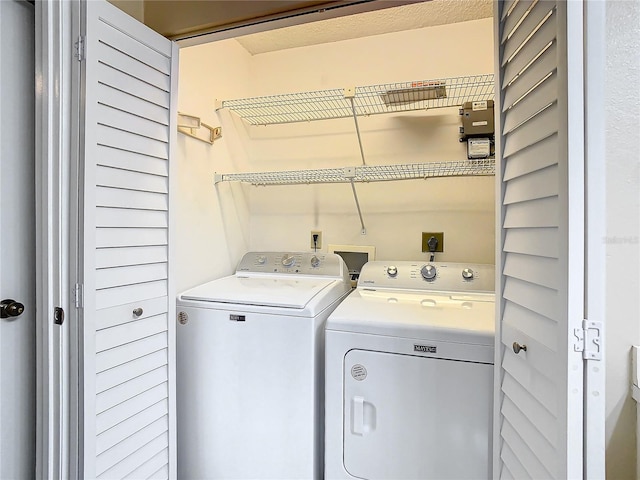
262 259
315 261
392 270
467 274
288 260
428 272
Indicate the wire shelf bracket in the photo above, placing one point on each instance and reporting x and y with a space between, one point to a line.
350 94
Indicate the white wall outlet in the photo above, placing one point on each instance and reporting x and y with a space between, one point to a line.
317 245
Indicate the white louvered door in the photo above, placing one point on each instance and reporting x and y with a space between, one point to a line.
538 424
127 397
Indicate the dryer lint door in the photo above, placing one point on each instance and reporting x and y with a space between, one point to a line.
411 417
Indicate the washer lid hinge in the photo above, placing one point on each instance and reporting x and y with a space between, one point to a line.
588 340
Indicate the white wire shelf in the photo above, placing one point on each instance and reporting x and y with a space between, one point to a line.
363 174
369 100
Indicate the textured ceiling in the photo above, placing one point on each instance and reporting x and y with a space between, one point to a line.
407 17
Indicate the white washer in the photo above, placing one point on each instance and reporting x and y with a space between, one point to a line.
250 368
409 374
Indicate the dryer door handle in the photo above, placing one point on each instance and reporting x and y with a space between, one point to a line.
357 415
363 416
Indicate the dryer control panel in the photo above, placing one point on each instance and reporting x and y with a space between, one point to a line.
433 276
293 263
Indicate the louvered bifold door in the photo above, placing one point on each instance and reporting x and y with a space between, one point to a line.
538 422
127 373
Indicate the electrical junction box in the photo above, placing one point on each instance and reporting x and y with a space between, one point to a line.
478 129
478 148
477 119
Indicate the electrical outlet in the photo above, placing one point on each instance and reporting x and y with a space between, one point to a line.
425 241
318 243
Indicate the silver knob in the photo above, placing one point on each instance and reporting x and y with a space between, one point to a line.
315 261
517 347
137 312
262 259
392 271
428 272
288 260
467 274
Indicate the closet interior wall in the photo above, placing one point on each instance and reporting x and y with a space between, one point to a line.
217 224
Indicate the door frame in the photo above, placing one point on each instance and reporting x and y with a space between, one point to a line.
54 56
595 46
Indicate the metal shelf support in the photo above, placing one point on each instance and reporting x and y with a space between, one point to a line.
350 173
350 93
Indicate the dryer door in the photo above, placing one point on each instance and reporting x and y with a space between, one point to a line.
412 417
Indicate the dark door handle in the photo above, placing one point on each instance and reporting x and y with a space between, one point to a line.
10 308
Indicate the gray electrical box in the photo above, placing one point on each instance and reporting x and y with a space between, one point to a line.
477 119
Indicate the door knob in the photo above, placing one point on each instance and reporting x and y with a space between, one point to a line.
10 308
517 347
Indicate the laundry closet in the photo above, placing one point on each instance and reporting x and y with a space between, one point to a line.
284 115
218 222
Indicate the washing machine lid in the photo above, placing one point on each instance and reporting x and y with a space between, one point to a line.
268 291
443 316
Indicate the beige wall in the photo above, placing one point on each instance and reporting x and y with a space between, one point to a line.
395 213
212 224
622 242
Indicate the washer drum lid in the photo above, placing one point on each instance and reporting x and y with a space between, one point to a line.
448 317
294 293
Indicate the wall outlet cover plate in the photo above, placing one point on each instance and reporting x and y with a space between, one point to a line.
425 239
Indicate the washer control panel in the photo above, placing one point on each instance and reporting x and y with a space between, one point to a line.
438 276
294 263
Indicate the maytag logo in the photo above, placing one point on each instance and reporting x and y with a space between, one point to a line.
424 348
237 318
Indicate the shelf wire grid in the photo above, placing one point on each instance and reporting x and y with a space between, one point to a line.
369 100
363 174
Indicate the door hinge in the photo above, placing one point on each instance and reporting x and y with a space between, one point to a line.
79 46
78 295
588 340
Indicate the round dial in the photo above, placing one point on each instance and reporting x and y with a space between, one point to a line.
392 270
288 260
262 259
315 261
428 272
467 274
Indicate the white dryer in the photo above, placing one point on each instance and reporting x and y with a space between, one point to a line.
250 368
409 374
